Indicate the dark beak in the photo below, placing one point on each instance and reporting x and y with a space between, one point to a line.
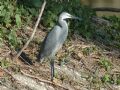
77 18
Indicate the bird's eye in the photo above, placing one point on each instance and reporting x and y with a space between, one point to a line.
68 15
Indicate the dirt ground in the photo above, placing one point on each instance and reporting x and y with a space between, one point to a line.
77 66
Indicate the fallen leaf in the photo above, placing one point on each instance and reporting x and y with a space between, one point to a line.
1 73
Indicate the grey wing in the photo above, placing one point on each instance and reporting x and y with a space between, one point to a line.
50 42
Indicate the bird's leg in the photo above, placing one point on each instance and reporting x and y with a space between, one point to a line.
52 68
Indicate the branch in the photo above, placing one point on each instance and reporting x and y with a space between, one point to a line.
107 9
34 30
44 81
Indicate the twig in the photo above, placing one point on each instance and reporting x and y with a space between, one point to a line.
8 72
21 59
41 80
34 30
107 9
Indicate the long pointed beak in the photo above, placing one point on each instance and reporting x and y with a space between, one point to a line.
71 16
76 18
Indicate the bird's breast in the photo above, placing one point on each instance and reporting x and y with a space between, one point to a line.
61 37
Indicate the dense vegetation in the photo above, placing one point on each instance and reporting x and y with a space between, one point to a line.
15 16
12 19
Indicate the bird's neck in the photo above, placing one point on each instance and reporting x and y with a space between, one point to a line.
63 24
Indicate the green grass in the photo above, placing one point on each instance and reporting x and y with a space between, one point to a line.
105 63
13 18
88 50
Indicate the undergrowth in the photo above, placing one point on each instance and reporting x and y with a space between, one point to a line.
14 17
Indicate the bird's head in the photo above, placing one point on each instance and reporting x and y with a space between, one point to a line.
65 15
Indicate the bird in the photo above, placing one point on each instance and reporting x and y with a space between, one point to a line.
54 40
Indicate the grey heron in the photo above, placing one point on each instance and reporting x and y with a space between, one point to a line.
54 40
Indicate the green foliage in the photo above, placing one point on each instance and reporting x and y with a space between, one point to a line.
114 30
12 18
18 20
88 50
86 28
108 34
74 7
105 63
4 63
118 80
12 37
115 21
112 79
106 78
31 3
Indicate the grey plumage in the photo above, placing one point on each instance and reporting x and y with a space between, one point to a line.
52 42
55 39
